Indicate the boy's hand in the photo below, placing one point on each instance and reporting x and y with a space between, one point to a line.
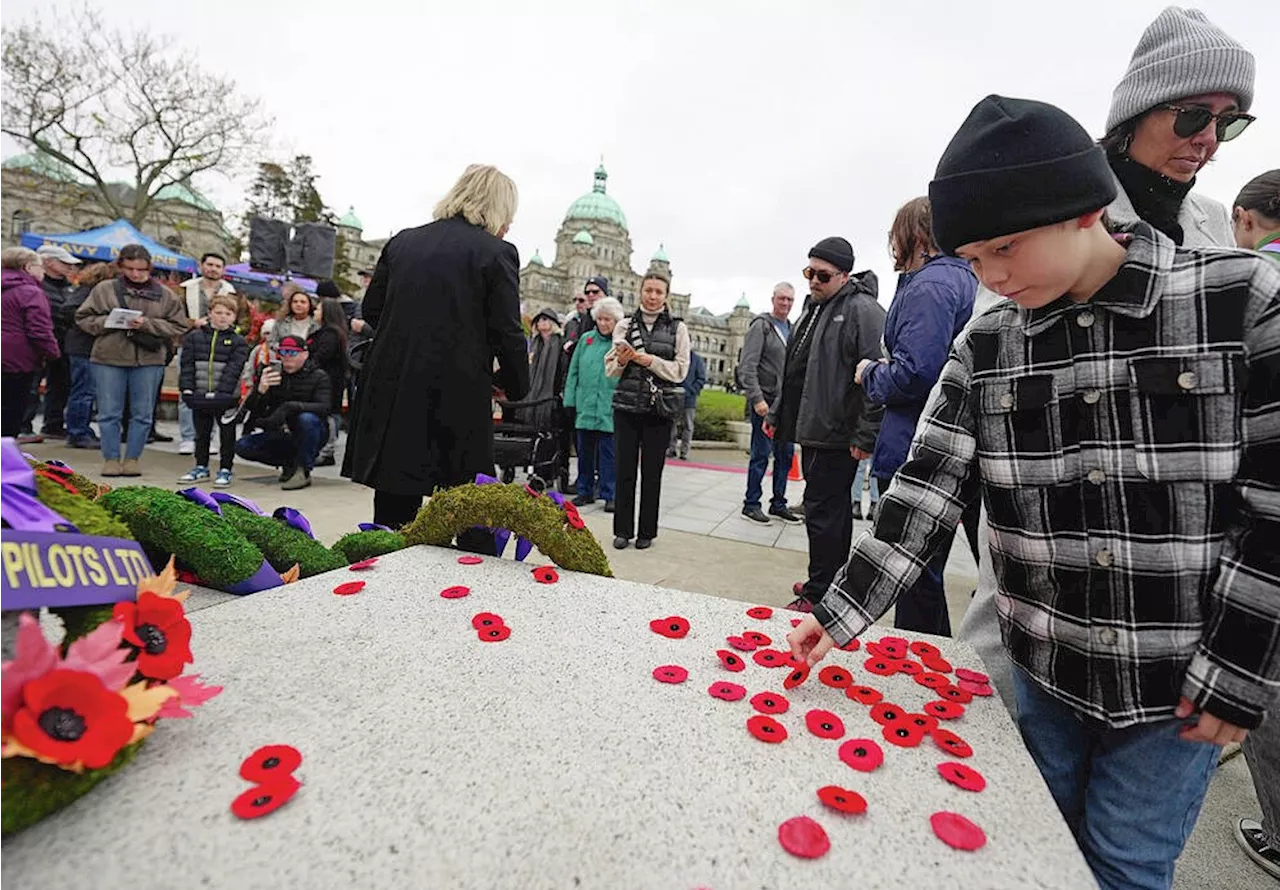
1207 727
809 642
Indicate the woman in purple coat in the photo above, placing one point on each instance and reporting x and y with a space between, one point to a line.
26 332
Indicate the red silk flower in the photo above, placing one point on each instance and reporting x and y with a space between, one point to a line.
158 628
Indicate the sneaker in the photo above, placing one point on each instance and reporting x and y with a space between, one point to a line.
88 443
161 437
325 460
644 543
608 506
224 479
186 447
755 514
30 439
197 474
785 515
1251 839
621 543
286 473
297 481
799 604
582 500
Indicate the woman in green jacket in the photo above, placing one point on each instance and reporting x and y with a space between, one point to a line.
589 391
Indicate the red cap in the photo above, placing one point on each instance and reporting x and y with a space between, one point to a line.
289 341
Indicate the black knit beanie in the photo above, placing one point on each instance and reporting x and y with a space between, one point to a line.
836 251
1015 164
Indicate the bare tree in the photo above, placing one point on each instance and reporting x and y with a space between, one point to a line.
111 105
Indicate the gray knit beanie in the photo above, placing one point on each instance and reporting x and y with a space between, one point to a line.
1181 54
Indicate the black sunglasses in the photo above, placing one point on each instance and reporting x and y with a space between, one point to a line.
812 274
595 291
1190 120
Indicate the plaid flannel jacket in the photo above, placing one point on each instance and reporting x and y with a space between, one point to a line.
1128 452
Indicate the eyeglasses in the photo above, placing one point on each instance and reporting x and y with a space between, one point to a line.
593 292
290 353
820 276
1190 120
579 300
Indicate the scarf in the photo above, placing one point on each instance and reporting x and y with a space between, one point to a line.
1156 198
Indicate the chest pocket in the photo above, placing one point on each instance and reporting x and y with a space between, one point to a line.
1186 416
1020 432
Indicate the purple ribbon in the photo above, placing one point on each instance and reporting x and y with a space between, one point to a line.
63 569
263 579
556 497
523 548
373 527
292 517
21 508
203 498
223 497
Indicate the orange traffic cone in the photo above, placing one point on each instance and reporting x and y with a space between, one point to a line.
794 475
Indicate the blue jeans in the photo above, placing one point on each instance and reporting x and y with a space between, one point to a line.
593 444
186 417
762 447
864 467
295 446
1130 796
80 400
140 385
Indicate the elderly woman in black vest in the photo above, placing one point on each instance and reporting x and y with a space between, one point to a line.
651 354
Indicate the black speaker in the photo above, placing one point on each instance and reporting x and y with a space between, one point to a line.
311 251
267 240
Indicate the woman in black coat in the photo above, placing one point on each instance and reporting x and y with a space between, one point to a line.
445 298
327 347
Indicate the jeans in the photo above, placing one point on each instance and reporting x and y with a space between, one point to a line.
923 606
828 515
682 431
1130 796
641 441
139 385
295 446
864 469
762 448
81 399
1262 753
14 400
206 424
595 464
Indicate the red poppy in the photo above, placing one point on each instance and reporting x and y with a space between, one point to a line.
363 564
863 755
742 644
761 612
796 677
835 676
771 658
972 676
573 516
69 716
944 710
758 638
766 729
937 663
909 667
730 661
795 622
270 762
672 627
770 703
903 734
262 799
881 667
864 695
670 673
951 743
923 722
726 691
930 680
852 646
546 575
803 837
157 627
470 560
956 694
873 648
962 776
956 831
349 587
494 634
886 713
449 593
893 647
842 799
824 724
486 619
924 650
975 688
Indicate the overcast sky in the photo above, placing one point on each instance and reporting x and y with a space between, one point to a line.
737 133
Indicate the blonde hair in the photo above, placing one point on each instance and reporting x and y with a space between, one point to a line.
226 301
484 196
18 257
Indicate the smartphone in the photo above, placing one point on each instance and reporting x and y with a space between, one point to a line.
277 366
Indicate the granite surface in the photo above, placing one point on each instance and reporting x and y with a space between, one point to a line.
550 759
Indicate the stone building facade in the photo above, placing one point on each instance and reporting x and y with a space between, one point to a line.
361 255
38 194
594 240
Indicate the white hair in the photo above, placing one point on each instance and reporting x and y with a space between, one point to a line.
784 286
608 306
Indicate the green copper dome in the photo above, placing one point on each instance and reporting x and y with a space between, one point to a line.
596 204
583 237
536 259
350 220
743 302
659 256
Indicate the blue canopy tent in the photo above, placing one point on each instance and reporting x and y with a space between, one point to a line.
262 285
104 245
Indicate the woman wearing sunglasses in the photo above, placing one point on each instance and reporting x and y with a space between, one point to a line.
1186 91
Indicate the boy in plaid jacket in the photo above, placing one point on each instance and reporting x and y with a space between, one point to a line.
1119 414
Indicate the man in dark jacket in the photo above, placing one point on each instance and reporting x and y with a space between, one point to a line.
764 355
58 267
823 410
289 405
682 427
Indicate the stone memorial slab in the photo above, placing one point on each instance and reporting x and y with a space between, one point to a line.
549 759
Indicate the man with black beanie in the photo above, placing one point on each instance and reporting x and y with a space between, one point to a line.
821 409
